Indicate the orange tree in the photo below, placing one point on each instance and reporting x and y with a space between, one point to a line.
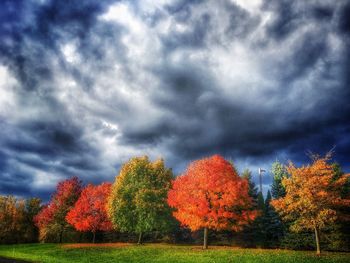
51 220
312 197
211 195
89 212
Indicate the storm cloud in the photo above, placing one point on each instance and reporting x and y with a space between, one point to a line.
84 86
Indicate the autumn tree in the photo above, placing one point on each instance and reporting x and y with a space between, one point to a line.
52 218
11 216
138 201
211 195
90 211
16 219
312 197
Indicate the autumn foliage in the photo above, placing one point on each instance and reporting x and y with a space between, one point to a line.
16 219
211 195
89 212
312 196
146 199
52 218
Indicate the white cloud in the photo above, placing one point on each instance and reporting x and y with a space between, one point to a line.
250 5
8 84
70 52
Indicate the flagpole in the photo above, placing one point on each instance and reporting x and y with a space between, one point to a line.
260 178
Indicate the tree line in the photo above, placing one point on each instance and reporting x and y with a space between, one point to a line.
307 207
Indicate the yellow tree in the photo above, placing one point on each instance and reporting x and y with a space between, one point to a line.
312 196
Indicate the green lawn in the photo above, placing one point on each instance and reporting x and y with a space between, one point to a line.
161 253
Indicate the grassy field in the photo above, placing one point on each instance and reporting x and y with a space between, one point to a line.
159 253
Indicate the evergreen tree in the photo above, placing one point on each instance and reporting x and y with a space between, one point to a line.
261 202
279 172
272 227
251 236
338 235
253 189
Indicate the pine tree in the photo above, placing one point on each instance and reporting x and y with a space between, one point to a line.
253 189
338 235
251 236
272 225
261 202
279 172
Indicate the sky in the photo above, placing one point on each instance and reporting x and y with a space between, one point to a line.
86 85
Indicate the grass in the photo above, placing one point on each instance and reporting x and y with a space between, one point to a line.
159 253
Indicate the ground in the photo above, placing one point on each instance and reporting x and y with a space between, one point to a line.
122 252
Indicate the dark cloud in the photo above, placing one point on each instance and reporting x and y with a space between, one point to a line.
344 20
87 86
322 13
240 21
286 18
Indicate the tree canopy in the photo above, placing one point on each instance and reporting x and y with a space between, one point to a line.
211 195
51 220
279 172
138 201
312 196
89 212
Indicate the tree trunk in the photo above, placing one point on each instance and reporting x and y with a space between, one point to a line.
61 235
93 236
140 239
317 238
205 240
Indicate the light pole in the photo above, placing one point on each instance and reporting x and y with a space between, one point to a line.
260 178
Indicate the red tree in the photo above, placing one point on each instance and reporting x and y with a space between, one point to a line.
89 212
211 195
51 218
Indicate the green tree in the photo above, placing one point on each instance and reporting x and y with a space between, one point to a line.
267 230
261 202
32 208
252 234
337 236
253 190
279 172
138 201
272 227
338 173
